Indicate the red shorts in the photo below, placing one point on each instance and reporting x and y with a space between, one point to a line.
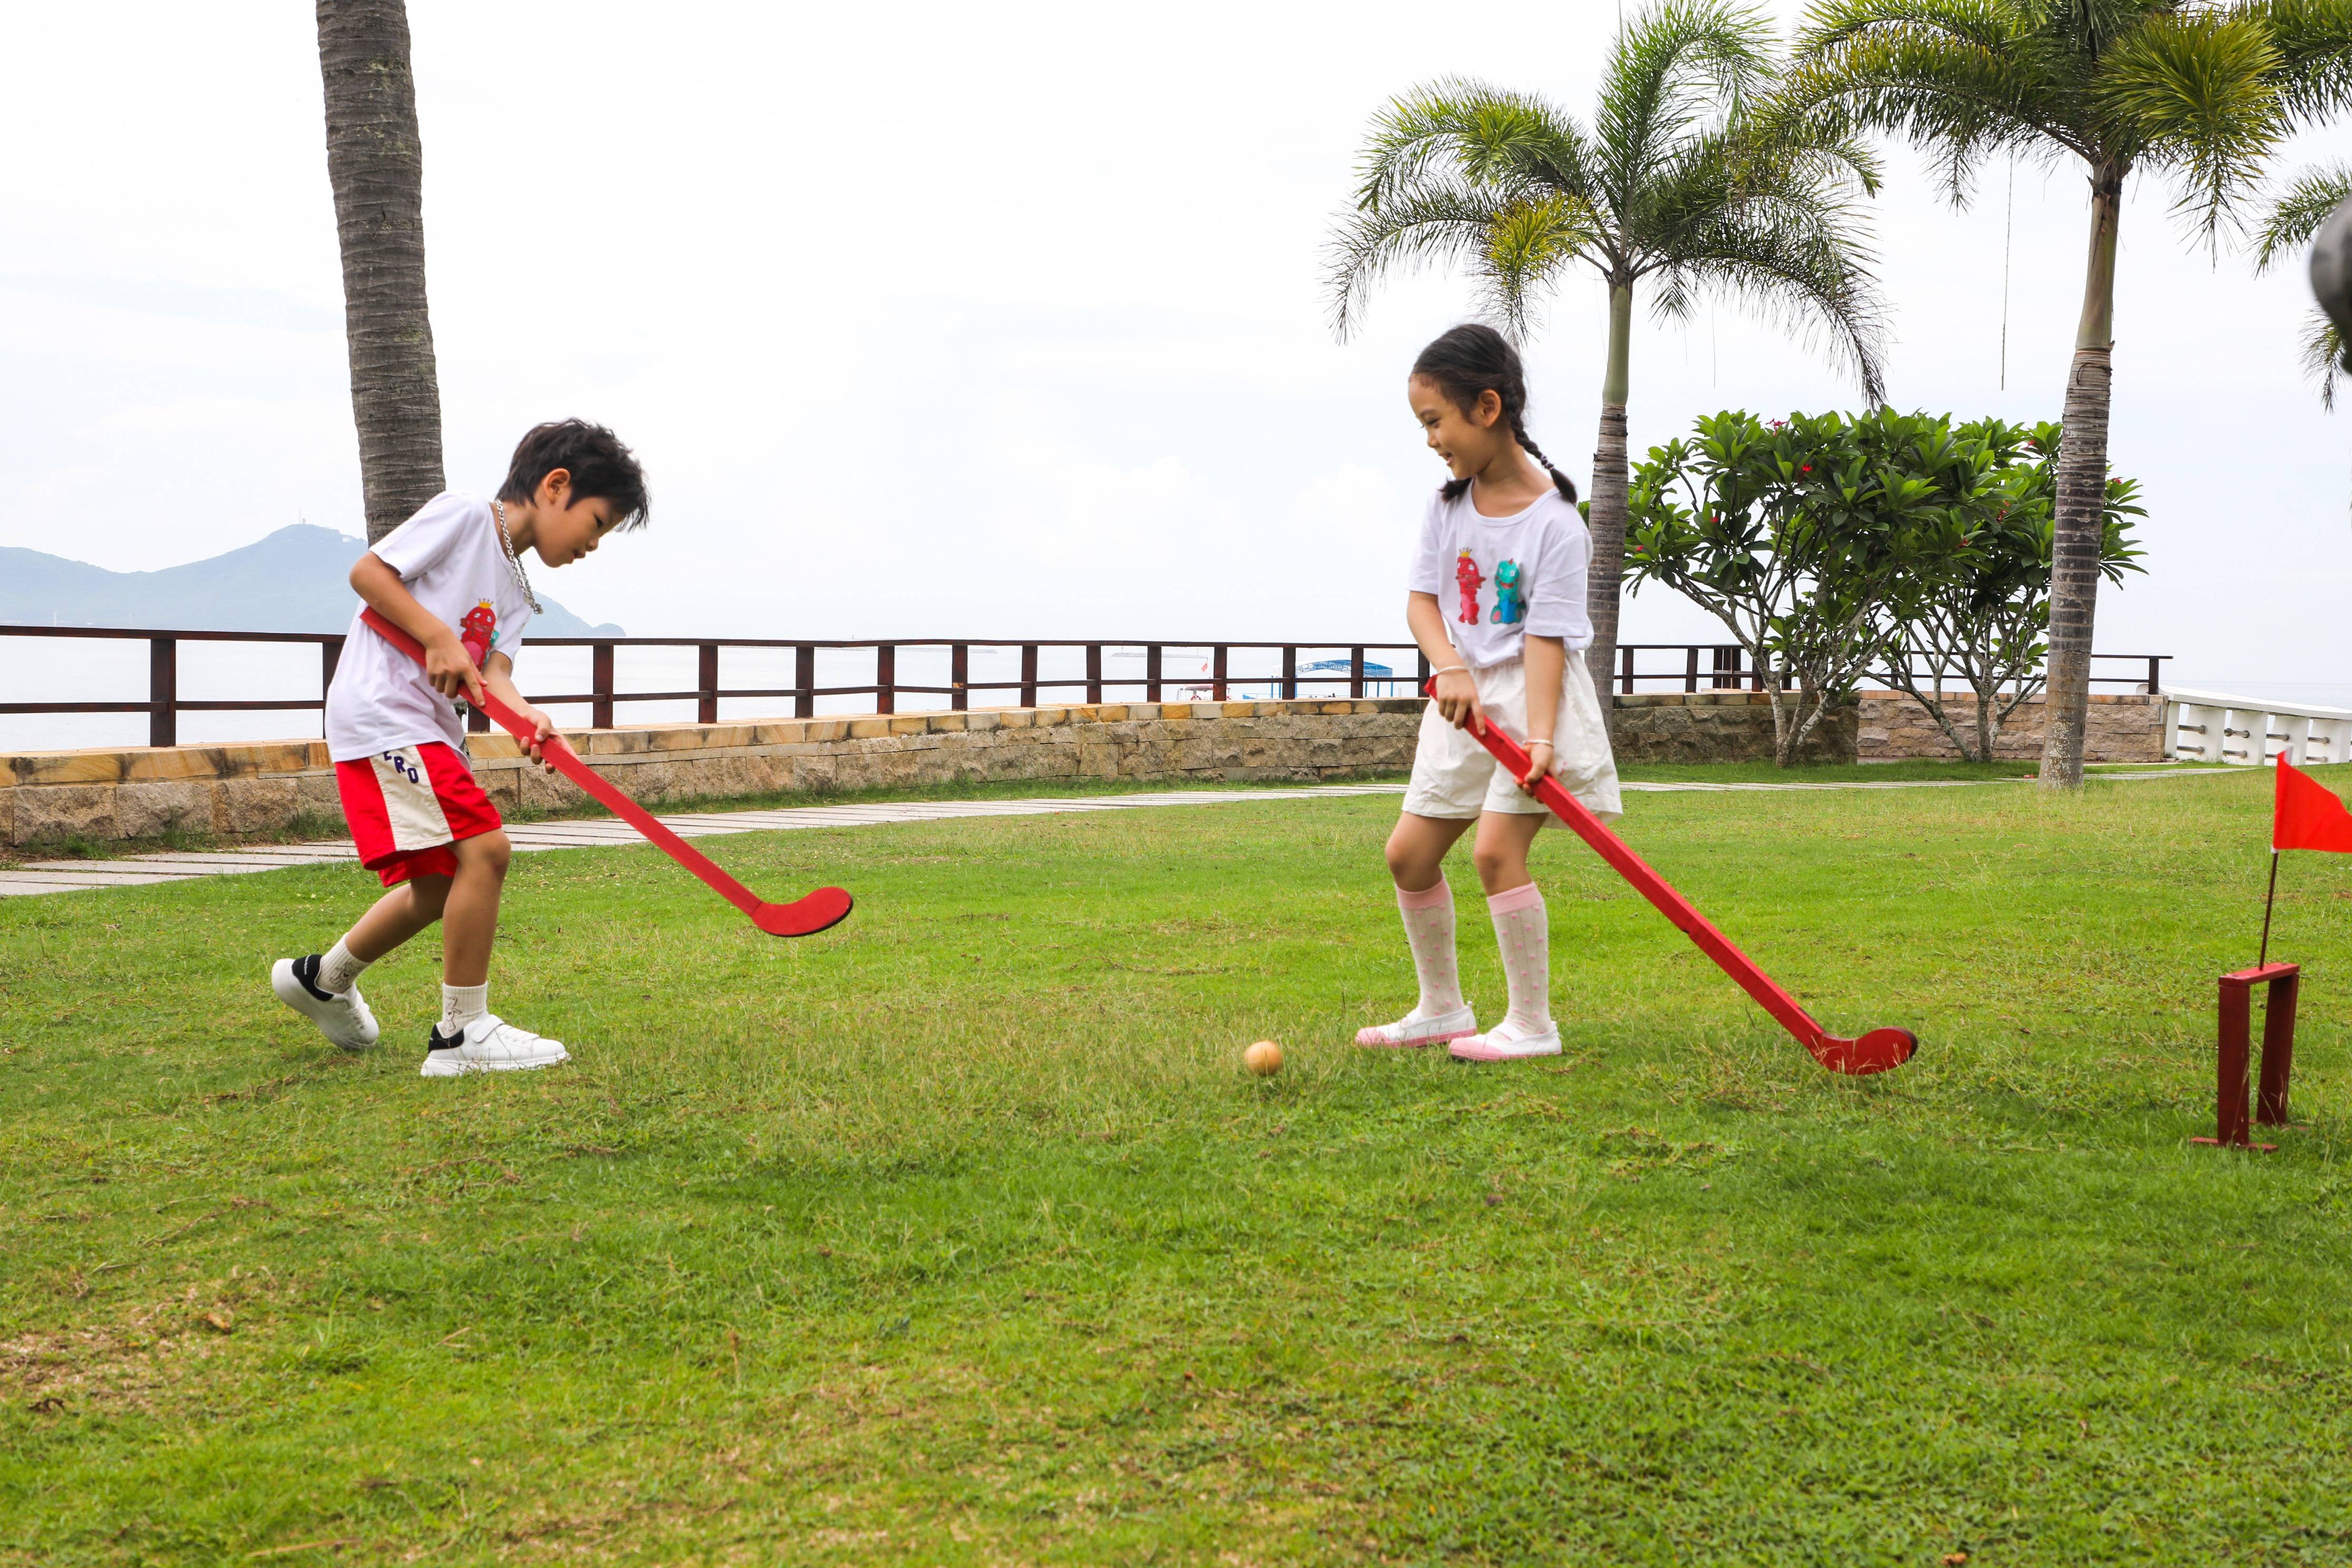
406 807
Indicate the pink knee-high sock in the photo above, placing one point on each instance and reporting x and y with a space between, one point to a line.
1523 932
1429 931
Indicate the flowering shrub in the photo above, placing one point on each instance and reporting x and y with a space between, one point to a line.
1827 543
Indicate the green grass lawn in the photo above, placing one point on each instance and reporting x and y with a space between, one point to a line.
958 1235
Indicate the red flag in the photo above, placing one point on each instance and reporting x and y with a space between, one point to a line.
2307 815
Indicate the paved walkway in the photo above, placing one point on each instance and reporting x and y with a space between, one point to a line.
67 876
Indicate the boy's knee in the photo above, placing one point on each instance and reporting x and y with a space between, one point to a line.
489 851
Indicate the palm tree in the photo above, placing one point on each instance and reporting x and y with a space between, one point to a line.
2199 91
2290 225
1673 185
375 161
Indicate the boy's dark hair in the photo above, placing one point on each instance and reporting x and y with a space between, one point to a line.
1471 359
598 465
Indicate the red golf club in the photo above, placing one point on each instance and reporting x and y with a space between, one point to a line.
803 917
1874 1052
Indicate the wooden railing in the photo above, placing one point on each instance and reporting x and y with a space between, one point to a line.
1696 666
1729 668
1357 672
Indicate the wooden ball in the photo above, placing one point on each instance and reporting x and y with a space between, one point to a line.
1264 1058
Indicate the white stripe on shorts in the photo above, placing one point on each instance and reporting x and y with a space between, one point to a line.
409 802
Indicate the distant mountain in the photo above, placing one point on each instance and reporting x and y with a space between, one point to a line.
296 580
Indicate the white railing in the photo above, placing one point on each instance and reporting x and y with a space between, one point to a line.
2247 732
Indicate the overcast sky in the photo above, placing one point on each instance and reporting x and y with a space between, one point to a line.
934 320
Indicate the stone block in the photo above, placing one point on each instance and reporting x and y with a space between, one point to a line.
284 757
155 763
946 723
8 815
981 722
78 767
149 810
256 804
64 811
867 729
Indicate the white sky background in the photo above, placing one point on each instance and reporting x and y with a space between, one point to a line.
934 320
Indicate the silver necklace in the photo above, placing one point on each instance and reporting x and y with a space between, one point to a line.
506 543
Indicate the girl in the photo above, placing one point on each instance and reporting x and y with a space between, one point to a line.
1496 604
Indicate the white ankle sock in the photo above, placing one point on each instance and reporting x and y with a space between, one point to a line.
1523 932
461 1004
1429 931
339 970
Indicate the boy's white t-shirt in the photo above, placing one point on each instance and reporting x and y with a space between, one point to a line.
1499 578
447 555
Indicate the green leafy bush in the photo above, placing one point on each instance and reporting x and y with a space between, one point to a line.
1831 545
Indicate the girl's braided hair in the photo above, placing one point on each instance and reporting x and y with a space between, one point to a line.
1471 359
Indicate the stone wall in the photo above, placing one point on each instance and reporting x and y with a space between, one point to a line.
1718 727
2121 727
142 791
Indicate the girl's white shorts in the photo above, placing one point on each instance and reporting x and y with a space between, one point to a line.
1453 775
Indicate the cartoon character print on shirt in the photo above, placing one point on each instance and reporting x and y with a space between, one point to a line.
1511 604
1467 576
480 631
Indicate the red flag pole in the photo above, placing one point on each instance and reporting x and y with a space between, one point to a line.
2264 956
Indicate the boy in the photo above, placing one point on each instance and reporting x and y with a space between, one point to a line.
452 577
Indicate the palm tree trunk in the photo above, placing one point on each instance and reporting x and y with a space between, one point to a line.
1606 516
2082 497
375 160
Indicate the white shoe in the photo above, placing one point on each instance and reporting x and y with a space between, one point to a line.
345 1020
489 1044
1507 1042
1414 1029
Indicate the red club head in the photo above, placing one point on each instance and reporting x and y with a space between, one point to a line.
1875 1052
804 917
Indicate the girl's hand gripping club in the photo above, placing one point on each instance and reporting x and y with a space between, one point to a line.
1874 1052
825 907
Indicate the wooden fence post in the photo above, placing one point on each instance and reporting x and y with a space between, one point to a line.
1355 672
959 675
803 681
331 654
1028 675
1152 673
600 685
1217 672
1094 672
706 683
886 678
162 691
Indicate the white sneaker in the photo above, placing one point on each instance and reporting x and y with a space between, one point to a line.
1413 1029
345 1020
489 1044
1508 1042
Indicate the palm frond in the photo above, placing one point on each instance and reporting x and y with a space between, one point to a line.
2321 353
1467 129
1527 246
2196 89
1441 221
2295 217
1675 66
1804 275
2314 40
1961 80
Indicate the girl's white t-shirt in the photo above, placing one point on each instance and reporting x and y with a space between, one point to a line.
448 556
1499 578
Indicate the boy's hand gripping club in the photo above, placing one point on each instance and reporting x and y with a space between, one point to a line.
1874 1052
825 907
